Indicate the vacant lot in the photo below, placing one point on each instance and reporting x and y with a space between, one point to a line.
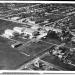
57 62
10 58
34 49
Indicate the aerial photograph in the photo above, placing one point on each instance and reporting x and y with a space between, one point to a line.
37 36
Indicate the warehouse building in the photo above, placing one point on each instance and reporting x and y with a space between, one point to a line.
8 33
19 29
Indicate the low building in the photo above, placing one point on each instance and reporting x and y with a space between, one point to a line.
19 29
57 30
8 33
47 28
14 18
41 36
16 45
35 27
29 31
21 20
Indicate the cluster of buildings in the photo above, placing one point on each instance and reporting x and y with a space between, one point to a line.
63 53
62 30
35 31
27 32
39 64
38 32
20 20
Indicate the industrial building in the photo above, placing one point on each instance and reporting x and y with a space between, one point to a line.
8 33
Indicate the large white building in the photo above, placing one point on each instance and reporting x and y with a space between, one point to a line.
29 31
8 33
19 29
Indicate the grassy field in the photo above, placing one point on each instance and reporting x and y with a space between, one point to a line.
34 49
57 62
10 58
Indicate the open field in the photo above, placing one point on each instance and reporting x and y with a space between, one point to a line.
10 58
